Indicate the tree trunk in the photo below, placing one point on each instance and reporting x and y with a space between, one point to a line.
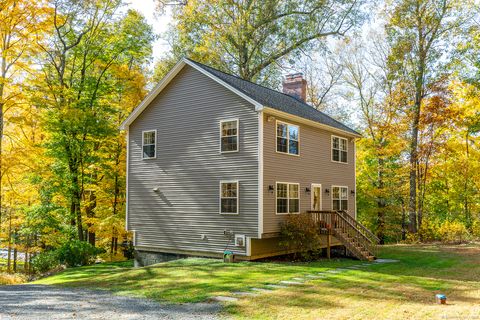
381 203
90 212
9 257
76 212
15 258
412 206
466 209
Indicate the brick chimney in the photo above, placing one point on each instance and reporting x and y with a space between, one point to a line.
295 86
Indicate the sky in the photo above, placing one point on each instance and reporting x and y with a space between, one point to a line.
159 23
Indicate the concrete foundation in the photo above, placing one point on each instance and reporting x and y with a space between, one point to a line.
146 258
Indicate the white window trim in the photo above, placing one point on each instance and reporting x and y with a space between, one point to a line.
311 196
288 138
288 198
220 198
238 134
143 140
348 201
331 149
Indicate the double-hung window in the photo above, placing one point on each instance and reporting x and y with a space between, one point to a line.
229 135
229 197
340 198
288 198
339 149
149 144
287 138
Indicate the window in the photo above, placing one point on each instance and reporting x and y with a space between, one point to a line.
149 144
287 138
229 135
339 149
288 198
229 197
340 198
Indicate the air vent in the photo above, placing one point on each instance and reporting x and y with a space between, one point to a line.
240 240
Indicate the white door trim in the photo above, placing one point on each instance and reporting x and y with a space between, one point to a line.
315 185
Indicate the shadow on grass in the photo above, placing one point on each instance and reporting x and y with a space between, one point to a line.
421 271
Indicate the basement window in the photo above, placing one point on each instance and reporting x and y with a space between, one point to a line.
339 198
149 144
229 197
229 135
288 198
339 149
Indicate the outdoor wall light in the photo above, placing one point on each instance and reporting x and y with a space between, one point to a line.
307 190
352 191
327 191
156 189
271 188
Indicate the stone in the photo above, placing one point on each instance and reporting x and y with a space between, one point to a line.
291 282
276 286
261 289
386 261
243 293
224 299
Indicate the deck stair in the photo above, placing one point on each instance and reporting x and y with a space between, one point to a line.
360 241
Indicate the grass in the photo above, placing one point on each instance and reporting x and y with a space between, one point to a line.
395 291
186 280
11 278
403 290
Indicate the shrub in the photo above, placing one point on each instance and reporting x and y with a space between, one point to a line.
45 261
77 253
412 238
428 231
300 233
453 231
476 229
9 278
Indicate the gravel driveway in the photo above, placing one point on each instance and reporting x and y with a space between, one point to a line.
49 302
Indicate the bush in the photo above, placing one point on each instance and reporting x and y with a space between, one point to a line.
428 232
77 253
476 229
453 231
45 261
300 233
12 278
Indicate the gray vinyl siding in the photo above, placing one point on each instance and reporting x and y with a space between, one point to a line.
313 165
189 168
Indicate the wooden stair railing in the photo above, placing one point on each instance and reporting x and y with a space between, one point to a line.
364 230
357 238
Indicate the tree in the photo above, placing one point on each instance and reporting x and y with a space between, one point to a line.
89 42
250 38
380 176
18 21
420 33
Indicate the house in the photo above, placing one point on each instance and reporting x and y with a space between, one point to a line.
215 162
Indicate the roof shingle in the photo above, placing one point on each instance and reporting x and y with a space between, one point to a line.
275 99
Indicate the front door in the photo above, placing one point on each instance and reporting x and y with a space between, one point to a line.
316 197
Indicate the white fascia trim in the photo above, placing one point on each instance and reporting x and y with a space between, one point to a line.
248 251
153 94
260 174
126 182
355 173
166 80
312 123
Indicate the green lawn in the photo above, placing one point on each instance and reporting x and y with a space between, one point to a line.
396 291
186 280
